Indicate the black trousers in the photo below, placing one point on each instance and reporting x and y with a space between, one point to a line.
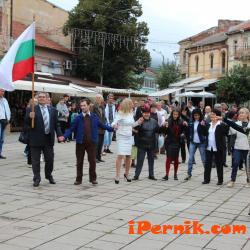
99 146
48 152
218 158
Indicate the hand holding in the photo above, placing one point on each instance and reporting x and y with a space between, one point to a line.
32 115
202 123
140 120
61 138
185 123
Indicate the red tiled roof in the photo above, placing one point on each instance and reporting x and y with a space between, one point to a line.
242 26
41 40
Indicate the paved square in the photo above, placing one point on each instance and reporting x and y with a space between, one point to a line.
65 217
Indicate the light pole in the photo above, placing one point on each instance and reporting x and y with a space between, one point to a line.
160 53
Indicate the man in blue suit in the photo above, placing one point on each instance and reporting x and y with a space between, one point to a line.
86 127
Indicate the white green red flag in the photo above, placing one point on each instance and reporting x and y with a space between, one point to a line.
19 60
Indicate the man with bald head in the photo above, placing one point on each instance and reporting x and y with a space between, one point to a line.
4 119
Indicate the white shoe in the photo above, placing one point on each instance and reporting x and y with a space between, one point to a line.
247 185
41 158
230 184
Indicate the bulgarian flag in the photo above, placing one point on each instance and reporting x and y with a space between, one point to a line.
19 60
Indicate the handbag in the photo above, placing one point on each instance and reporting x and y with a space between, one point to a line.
23 137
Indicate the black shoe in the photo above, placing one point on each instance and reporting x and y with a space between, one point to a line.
94 182
97 161
183 161
187 178
127 179
219 183
100 160
77 183
51 180
36 183
108 151
225 165
135 178
165 178
205 182
152 178
194 162
117 181
2 157
175 178
132 165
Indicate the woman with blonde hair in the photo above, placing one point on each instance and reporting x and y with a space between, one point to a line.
124 123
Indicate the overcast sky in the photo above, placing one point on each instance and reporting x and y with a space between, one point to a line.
172 20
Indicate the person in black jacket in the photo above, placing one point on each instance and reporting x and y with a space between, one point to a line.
175 128
42 137
146 142
215 146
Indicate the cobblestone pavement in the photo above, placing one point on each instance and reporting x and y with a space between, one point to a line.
64 216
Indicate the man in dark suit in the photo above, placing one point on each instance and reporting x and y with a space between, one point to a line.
42 137
98 109
86 126
215 146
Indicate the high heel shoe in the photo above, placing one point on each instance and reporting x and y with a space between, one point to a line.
116 181
127 179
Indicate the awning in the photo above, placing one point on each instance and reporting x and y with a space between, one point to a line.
120 91
197 94
200 85
49 87
82 89
184 82
164 92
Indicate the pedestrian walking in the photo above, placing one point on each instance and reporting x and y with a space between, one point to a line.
86 125
42 137
63 114
4 120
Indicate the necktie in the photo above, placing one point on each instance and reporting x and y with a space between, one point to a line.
45 120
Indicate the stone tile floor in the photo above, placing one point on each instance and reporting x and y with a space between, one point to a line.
64 216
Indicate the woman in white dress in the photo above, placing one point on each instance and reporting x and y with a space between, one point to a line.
123 123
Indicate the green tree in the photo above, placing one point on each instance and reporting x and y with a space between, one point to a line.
234 87
111 16
168 73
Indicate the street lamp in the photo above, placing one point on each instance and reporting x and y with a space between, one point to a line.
160 53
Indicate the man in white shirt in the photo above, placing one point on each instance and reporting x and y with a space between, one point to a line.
4 119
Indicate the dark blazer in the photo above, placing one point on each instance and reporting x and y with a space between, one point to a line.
200 129
78 126
220 136
101 116
36 135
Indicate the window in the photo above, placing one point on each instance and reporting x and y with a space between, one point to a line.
223 62
197 63
211 56
235 46
245 43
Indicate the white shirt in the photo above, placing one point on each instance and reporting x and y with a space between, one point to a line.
84 114
196 135
4 109
211 137
45 107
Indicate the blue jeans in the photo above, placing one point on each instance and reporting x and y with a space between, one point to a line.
107 138
2 130
192 149
238 156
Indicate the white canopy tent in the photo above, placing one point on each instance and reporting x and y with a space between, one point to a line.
52 88
164 92
202 94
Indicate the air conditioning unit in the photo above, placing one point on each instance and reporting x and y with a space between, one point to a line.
68 65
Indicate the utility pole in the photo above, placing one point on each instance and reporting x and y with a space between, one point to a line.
103 57
11 21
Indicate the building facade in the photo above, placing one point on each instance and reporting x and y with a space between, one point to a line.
149 81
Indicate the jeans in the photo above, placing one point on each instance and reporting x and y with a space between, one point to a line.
107 138
140 160
238 156
2 132
192 149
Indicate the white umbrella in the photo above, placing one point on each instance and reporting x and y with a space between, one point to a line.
188 94
206 94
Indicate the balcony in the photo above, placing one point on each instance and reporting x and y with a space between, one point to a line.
242 54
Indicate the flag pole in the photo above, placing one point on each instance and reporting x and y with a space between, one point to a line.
33 89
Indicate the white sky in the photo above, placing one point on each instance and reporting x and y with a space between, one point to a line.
172 20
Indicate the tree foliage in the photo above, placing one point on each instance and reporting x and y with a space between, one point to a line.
235 86
169 73
111 16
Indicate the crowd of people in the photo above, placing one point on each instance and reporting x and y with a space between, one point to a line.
141 128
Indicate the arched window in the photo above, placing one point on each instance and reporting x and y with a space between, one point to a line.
211 56
197 63
223 62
